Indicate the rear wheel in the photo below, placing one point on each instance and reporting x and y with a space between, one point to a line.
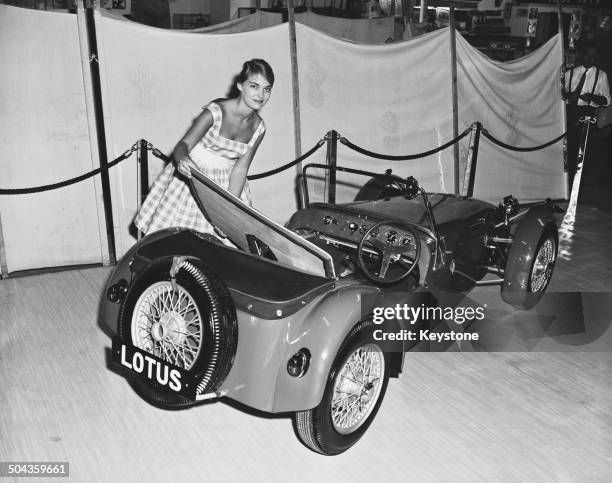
188 321
355 389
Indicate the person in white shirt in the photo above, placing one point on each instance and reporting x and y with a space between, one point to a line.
584 88
587 84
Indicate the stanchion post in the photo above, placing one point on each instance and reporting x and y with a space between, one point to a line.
295 84
331 157
101 135
455 102
568 188
470 168
144 171
305 199
3 264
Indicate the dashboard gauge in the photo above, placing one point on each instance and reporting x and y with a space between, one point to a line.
406 240
391 236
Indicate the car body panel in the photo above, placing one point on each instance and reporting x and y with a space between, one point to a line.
289 293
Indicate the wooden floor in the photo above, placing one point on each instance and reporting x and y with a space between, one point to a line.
543 414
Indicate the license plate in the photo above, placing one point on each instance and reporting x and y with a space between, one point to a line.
157 373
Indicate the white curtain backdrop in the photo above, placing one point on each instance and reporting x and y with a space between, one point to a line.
393 99
361 30
255 21
519 103
45 139
155 82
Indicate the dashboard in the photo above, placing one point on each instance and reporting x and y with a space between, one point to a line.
347 227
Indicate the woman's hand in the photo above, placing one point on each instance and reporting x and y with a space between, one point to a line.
184 166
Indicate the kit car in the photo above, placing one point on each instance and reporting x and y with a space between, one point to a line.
280 318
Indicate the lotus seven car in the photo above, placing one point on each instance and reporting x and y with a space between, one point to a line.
280 319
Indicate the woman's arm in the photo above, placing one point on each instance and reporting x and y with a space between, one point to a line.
197 130
241 168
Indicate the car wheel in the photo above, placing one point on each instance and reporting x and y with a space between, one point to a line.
354 391
527 285
543 263
189 322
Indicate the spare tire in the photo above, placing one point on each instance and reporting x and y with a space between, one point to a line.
189 322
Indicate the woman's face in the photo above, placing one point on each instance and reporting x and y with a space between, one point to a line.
255 91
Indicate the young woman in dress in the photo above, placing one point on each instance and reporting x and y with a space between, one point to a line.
221 143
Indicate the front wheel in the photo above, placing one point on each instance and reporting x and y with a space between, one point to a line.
355 389
528 272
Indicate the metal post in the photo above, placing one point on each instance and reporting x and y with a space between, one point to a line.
423 12
581 158
330 175
101 135
303 186
453 33
296 95
143 159
568 188
470 168
3 264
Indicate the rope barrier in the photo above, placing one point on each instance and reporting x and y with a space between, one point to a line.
49 187
156 152
288 165
387 157
490 137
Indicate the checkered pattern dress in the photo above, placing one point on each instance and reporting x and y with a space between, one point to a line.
170 203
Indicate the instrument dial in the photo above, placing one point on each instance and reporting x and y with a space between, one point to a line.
391 236
406 240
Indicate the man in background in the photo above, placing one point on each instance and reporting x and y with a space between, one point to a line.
585 88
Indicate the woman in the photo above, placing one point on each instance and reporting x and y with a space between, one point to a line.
221 143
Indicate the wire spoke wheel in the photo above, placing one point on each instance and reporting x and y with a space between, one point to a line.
167 323
188 321
530 264
357 388
543 265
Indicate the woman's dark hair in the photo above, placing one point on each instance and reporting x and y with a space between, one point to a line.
250 67
256 66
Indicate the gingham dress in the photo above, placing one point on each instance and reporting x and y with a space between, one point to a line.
170 203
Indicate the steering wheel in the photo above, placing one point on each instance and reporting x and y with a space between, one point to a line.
383 239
